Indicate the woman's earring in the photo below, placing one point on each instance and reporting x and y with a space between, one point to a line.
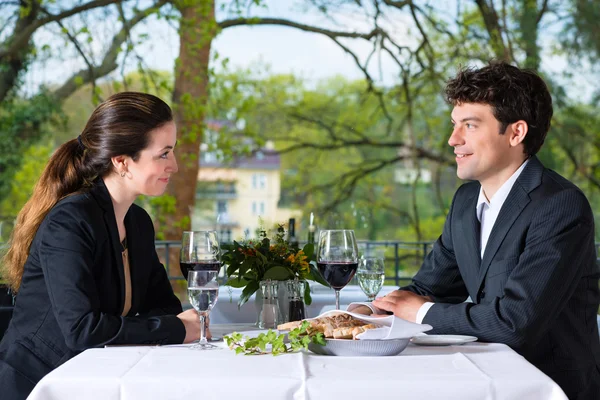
123 174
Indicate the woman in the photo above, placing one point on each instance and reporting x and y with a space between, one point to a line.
82 255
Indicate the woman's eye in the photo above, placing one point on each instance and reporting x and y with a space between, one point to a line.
165 155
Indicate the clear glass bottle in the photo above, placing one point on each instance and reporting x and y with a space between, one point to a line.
269 316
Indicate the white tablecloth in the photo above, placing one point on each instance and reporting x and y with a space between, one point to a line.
472 371
323 298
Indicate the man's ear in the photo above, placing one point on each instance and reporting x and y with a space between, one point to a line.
518 130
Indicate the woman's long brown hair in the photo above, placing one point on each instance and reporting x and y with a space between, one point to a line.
119 126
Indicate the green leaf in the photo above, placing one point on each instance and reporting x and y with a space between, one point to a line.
248 291
278 274
308 250
316 276
237 283
307 296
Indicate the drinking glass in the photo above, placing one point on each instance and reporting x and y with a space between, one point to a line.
337 258
203 292
371 275
200 251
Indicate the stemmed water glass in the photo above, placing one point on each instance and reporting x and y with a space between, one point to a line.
337 258
203 292
371 275
200 251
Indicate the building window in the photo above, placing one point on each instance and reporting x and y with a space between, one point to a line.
221 207
258 208
259 181
225 235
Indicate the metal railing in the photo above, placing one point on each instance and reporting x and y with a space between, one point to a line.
402 259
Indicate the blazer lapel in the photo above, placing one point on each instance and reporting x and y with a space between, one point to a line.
516 201
471 230
135 254
100 193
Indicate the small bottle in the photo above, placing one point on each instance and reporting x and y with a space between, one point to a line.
292 233
311 229
295 289
269 316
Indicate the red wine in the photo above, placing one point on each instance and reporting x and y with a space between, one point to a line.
199 266
296 310
337 274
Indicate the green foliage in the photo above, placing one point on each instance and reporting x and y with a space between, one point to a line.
299 339
21 186
23 122
252 261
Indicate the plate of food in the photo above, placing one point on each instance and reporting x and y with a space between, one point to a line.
341 331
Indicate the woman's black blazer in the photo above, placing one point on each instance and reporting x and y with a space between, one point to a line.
72 294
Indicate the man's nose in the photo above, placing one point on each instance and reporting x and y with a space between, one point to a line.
456 138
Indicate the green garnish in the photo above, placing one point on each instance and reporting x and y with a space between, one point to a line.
299 339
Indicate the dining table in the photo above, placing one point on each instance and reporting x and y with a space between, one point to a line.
463 372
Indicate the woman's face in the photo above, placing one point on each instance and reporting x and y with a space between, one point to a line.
150 174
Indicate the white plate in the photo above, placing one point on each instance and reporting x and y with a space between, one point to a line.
360 348
442 340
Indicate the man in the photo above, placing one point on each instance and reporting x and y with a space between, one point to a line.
519 238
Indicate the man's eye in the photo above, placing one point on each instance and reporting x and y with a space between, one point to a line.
469 125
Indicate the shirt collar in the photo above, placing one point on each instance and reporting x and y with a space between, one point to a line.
500 196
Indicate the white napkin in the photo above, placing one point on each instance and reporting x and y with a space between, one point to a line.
392 327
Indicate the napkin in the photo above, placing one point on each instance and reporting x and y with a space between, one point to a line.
393 327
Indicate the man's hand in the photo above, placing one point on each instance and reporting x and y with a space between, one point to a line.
402 303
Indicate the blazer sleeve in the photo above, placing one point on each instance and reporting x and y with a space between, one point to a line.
160 299
559 245
66 250
439 276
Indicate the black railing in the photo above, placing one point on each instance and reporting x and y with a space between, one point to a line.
402 259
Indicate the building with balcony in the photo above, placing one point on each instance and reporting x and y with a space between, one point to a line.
237 197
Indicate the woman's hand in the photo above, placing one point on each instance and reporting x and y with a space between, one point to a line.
191 321
192 325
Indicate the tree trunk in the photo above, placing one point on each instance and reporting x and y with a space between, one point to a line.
196 31
529 34
14 64
494 29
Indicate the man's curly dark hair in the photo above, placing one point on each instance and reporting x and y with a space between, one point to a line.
514 94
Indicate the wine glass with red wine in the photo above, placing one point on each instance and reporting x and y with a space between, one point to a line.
337 258
200 251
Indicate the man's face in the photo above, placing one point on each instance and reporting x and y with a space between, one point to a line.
482 153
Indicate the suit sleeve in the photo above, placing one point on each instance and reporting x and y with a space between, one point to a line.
439 276
558 246
160 299
66 250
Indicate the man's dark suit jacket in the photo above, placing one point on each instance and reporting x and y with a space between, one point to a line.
72 294
536 288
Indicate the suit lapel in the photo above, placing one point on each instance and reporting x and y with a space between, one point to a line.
517 200
470 226
134 254
100 193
